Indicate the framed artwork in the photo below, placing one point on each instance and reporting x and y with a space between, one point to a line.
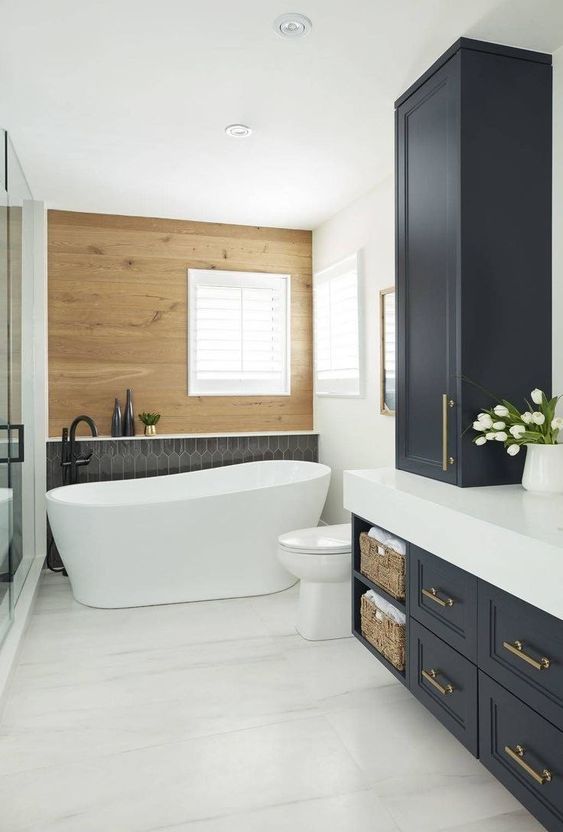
387 351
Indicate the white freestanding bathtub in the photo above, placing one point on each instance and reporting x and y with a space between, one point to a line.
184 537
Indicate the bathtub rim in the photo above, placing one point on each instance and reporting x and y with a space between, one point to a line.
54 495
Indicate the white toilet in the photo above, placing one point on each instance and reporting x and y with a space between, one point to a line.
320 558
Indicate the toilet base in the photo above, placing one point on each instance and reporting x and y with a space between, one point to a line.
324 610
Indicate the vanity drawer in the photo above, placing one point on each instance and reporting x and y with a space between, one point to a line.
523 750
522 648
444 599
445 682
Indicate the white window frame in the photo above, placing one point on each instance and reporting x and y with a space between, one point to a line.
238 387
337 387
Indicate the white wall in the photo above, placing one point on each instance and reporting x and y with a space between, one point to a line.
352 433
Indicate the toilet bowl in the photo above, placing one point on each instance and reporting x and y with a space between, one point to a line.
320 558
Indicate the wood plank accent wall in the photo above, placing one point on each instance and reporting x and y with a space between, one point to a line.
117 319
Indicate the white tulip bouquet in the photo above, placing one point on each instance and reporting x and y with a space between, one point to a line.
504 423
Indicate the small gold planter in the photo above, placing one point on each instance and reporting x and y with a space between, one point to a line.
150 430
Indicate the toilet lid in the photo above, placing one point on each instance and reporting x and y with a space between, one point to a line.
321 540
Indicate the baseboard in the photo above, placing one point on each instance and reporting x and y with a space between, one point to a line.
22 613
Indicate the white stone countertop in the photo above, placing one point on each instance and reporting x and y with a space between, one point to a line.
503 534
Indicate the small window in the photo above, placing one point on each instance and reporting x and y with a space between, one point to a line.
337 330
238 325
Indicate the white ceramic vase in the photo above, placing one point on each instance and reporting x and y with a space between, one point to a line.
543 469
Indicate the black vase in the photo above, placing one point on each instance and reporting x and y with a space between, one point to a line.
129 416
116 426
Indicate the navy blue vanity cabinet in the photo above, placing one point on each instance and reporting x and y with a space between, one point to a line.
488 666
473 235
523 750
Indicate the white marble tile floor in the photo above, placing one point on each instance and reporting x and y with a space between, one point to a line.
218 717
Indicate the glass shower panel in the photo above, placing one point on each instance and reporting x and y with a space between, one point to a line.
20 376
5 490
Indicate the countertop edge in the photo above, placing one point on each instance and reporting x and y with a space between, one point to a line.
535 576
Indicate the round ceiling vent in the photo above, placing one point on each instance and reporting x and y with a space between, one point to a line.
238 131
292 25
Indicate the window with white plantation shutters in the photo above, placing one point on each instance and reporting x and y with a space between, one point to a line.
337 330
238 325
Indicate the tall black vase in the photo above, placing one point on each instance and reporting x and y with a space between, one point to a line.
129 416
116 425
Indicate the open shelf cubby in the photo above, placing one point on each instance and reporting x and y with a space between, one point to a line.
360 585
401 605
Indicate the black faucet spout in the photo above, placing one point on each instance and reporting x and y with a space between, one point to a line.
75 422
69 459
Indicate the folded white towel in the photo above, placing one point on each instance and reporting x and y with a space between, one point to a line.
392 542
386 607
397 545
378 534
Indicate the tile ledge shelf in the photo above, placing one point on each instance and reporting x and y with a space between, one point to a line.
88 438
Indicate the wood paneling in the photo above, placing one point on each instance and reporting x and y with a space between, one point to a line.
117 319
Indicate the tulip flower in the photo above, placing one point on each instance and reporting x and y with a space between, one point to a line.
517 431
513 450
485 420
499 425
479 426
501 436
501 410
538 418
537 395
480 440
526 417
557 423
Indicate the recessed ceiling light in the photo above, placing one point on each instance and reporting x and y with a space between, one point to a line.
238 131
292 25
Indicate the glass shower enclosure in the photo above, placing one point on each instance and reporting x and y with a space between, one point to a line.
17 505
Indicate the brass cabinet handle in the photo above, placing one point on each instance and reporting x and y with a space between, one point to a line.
517 649
430 676
432 593
446 460
517 754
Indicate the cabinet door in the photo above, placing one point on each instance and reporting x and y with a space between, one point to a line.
523 750
445 682
444 599
427 159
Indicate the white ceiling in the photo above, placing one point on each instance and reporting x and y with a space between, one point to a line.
119 106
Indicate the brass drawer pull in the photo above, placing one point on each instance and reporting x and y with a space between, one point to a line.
432 593
517 755
517 649
446 460
430 676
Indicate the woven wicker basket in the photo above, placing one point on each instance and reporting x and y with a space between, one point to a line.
383 566
383 633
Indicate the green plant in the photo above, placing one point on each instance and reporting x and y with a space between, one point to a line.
505 423
149 418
